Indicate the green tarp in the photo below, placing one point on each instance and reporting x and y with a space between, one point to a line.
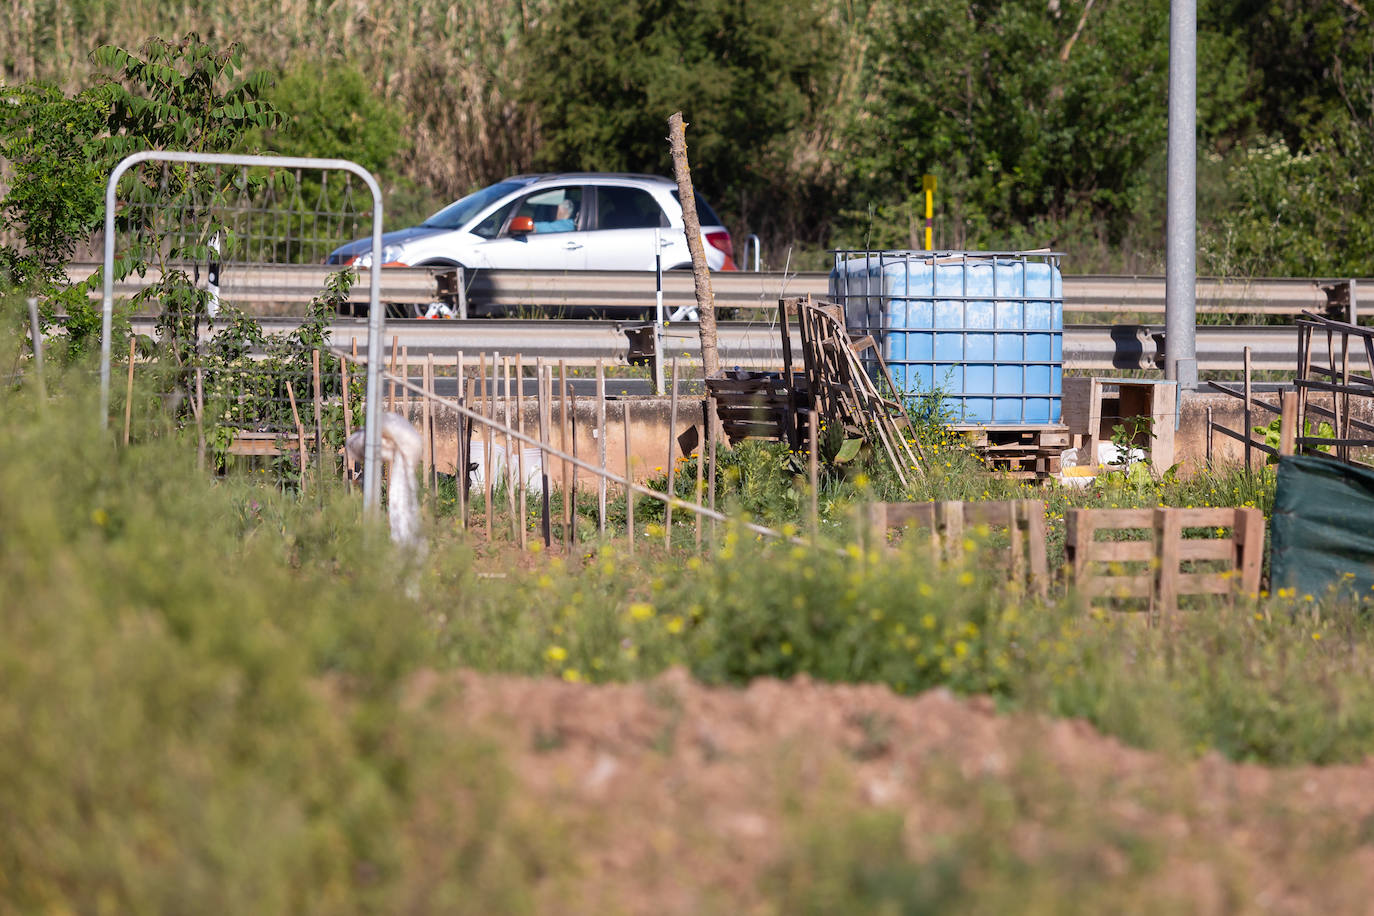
1322 533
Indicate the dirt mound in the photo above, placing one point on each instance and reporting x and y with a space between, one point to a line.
679 798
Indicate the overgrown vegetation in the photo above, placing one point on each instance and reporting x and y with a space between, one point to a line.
813 124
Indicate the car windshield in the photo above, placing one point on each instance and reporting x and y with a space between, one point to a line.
460 212
705 215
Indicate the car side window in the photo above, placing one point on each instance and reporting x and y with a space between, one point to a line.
552 210
490 227
628 208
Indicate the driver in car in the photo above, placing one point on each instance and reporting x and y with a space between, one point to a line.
563 222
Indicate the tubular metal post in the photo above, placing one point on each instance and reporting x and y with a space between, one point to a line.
37 335
1180 309
376 322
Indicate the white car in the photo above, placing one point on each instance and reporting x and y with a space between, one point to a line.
568 221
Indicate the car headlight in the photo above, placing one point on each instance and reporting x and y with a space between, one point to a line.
389 253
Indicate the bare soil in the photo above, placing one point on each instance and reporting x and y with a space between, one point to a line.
674 797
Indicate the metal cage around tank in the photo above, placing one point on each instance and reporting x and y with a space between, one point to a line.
983 328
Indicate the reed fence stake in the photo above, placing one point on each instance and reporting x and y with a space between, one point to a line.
487 415
1209 438
470 400
200 418
404 392
701 467
319 408
629 493
347 418
572 492
300 430
544 455
129 391
672 462
520 428
563 445
601 447
426 454
460 463
510 459
1249 434
711 468
432 421
391 397
813 467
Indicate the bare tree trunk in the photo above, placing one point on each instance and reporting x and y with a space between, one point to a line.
691 224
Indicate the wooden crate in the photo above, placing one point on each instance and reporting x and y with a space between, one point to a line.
253 444
1024 520
1147 571
1093 407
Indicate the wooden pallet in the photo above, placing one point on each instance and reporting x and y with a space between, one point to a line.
1024 520
1028 452
1146 573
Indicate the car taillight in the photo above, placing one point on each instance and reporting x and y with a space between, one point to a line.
721 242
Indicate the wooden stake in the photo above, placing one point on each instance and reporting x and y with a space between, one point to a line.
1209 438
629 477
544 454
391 399
460 463
1289 411
572 440
470 399
431 422
347 416
510 458
711 466
813 468
672 462
200 418
563 446
129 391
487 414
701 467
426 444
1249 433
402 394
300 431
520 427
601 447
319 408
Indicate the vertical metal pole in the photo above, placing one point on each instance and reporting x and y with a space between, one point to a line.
1180 296
36 332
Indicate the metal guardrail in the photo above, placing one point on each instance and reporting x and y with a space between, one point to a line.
757 344
265 285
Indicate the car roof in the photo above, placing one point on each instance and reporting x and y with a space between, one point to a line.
616 176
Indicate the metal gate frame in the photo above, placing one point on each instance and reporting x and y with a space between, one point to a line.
376 317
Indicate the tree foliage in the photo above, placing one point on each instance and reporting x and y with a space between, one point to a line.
606 74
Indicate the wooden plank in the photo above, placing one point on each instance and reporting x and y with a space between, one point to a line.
1248 536
1121 551
1121 518
1219 517
1139 586
902 515
1168 532
1207 549
1205 583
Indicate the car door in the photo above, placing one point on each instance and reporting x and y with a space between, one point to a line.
622 236
554 242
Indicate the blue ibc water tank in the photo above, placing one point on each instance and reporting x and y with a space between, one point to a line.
986 329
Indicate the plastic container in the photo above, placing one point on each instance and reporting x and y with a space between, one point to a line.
984 328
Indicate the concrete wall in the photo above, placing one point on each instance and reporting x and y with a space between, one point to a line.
649 435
